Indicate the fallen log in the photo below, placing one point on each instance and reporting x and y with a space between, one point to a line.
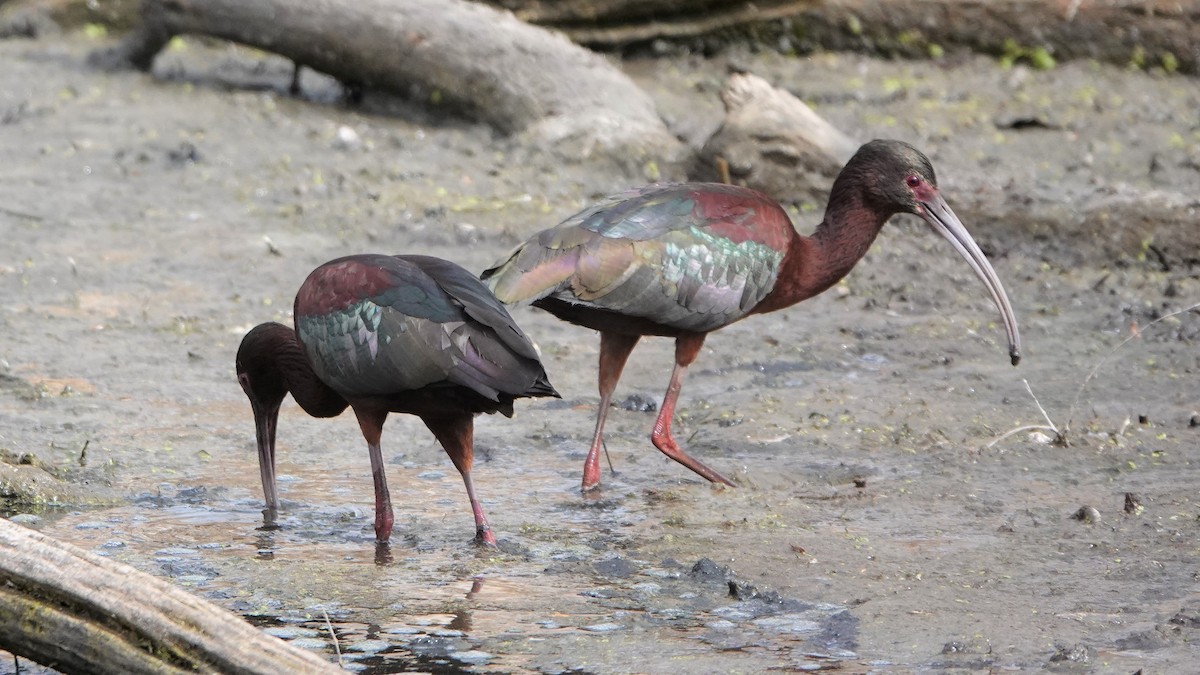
78 612
468 58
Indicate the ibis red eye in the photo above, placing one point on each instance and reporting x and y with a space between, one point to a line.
913 181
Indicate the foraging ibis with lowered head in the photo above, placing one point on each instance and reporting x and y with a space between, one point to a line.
381 334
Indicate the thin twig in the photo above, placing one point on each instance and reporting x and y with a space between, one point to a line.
1059 437
604 444
337 647
1027 427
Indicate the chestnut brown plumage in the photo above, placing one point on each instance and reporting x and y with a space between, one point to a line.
683 260
380 334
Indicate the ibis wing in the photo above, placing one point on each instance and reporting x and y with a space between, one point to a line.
693 257
491 351
416 325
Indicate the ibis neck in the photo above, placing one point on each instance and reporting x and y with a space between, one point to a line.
313 395
815 263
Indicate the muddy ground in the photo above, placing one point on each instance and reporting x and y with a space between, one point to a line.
149 220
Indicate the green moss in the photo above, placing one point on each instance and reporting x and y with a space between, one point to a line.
1169 62
652 172
910 38
95 31
854 26
1039 58
1138 58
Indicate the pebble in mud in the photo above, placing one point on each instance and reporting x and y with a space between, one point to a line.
638 403
346 138
1087 514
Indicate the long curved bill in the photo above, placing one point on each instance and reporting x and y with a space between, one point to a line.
264 429
938 214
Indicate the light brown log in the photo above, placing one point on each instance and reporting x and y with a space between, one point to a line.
78 612
774 142
470 57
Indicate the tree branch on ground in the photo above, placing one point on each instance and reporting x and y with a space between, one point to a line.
461 56
79 612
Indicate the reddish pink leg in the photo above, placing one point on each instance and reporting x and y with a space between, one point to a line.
614 352
687 347
371 423
457 436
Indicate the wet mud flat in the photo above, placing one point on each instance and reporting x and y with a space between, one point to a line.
149 220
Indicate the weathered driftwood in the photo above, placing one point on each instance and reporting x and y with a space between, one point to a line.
78 612
774 143
484 62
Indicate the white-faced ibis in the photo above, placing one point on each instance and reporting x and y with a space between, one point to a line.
408 334
686 259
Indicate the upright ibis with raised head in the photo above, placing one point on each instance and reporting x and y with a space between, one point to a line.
380 334
683 260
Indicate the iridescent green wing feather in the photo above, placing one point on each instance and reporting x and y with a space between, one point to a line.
689 256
